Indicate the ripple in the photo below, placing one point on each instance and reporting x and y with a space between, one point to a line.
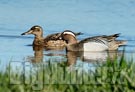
14 36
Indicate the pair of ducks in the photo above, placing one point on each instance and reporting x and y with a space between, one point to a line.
68 39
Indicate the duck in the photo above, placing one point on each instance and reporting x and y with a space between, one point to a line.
51 40
95 43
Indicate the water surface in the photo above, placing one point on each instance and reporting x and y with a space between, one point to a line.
98 17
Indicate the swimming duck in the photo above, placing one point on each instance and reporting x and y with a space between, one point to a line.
96 43
49 41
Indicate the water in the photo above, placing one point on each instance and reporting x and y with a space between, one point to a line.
92 17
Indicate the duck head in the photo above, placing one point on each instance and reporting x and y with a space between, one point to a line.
69 37
35 30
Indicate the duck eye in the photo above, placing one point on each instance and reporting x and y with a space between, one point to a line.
31 28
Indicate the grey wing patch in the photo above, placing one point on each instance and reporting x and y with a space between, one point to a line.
104 39
96 39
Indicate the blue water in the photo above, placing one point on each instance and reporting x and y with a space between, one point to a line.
92 17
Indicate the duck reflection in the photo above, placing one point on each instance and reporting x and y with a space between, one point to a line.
74 56
90 57
38 54
99 56
41 51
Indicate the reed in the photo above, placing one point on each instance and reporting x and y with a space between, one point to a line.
112 76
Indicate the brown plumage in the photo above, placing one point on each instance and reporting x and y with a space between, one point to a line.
52 40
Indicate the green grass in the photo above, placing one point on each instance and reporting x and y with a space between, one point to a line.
112 76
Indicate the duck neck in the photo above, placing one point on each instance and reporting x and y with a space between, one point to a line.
72 41
39 36
39 40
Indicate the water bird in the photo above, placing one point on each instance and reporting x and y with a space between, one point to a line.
52 40
95 43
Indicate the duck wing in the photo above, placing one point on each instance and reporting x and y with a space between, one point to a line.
104 40
96 39
101 39
111 37
57 36
54 36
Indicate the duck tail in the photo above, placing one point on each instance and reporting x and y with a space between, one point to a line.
122 42
116 35
112 37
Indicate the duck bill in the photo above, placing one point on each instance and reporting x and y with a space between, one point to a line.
26 33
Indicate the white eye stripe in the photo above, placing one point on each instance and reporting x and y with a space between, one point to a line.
36 27
70 33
